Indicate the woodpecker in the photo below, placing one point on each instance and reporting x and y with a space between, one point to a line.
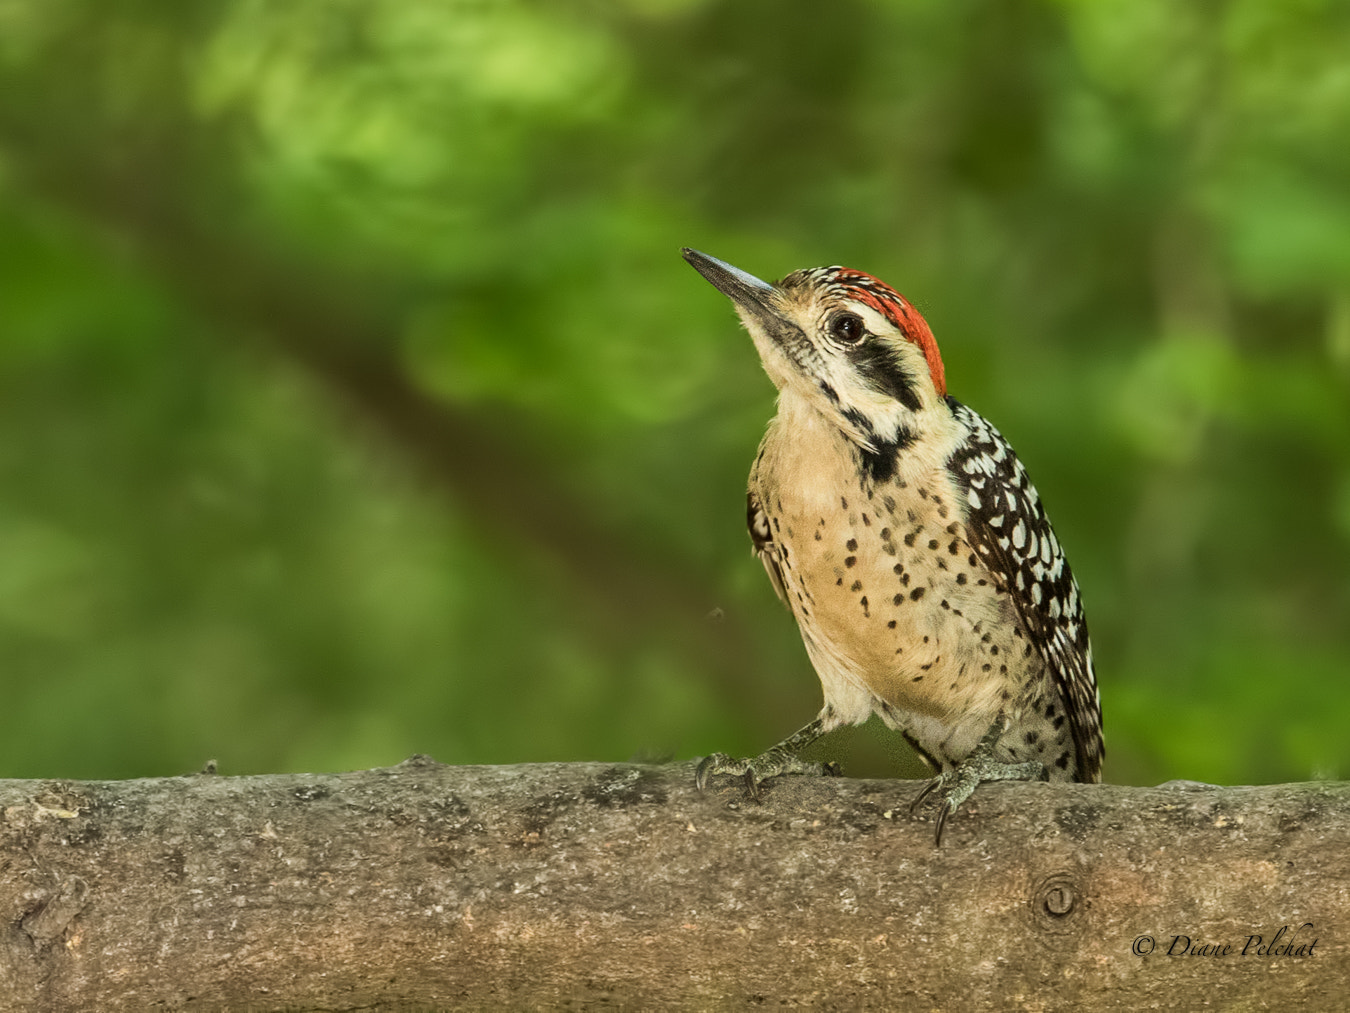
902 531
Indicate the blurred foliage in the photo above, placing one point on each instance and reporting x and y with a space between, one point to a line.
354 400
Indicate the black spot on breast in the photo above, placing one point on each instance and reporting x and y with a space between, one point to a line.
881 459
909 538
960 578
851 544
899 599
879 466
891 625
916 594
932 544
857 586
850 560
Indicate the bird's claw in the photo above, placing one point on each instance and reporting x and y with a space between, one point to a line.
757 770
950 801
958 783
714 763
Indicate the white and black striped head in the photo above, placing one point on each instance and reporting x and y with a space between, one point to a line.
848 343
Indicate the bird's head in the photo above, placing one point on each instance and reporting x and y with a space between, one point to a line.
850 345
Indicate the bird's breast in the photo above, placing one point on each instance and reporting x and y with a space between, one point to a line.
886 588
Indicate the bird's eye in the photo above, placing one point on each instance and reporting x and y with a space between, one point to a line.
847 328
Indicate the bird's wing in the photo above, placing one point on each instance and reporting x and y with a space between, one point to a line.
761 534
1008 528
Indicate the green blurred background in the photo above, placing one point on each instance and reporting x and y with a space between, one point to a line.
355 401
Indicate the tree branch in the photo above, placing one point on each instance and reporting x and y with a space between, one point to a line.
535 886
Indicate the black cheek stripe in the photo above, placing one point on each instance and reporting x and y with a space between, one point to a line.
883 372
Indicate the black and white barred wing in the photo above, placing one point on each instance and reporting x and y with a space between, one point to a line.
1007 526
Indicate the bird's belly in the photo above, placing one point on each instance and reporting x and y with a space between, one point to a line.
895 603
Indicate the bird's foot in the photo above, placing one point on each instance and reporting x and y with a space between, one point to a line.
756 770
956 785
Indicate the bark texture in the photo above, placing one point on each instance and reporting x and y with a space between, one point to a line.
580 885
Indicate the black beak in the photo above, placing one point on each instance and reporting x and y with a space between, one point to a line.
745 290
